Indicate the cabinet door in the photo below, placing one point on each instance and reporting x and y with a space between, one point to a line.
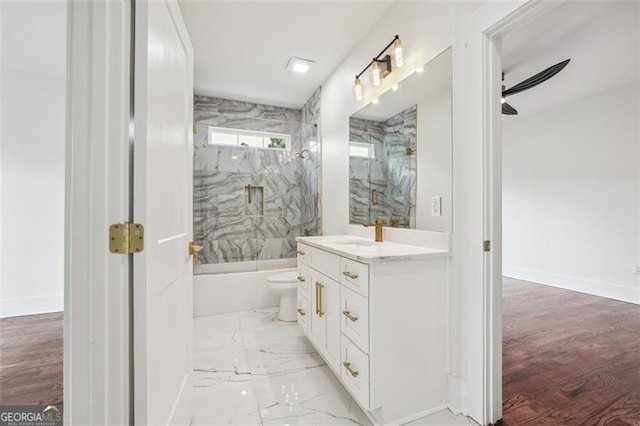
317 322
331 306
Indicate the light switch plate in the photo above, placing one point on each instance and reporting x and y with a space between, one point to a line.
436 206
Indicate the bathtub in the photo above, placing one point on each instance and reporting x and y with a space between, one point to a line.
237 286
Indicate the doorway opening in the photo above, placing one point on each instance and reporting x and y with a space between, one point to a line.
570 217
32 219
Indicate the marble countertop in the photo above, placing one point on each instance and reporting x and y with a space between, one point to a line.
368 251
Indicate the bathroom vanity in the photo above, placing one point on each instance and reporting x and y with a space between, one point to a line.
377 313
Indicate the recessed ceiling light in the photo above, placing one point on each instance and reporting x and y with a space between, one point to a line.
299 65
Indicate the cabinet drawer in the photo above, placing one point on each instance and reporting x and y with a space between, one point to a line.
355 371
325 262
355 275
303 252
303 280
303 313
354 321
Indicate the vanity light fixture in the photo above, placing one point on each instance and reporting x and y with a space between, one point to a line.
398 52
381 66
376 74
357 87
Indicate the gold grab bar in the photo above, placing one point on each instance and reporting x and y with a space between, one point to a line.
317 298
249 192
348 315
350 275
351 371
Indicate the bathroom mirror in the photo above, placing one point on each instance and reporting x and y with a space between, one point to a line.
400 153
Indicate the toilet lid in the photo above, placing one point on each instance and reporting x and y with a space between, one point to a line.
283 277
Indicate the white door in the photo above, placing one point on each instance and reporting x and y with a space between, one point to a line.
163 273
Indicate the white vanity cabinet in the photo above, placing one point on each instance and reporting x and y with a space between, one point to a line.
380 322
303 288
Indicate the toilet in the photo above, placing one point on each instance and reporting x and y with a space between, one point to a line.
285 284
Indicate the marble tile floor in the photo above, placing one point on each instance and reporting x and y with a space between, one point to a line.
251 369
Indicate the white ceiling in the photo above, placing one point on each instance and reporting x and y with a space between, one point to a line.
242 48
413 90
601 38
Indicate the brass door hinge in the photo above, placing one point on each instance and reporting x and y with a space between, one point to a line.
486 245
126 238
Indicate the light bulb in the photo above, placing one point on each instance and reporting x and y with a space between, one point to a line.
395 87
398 53
357 88
376 74
375 101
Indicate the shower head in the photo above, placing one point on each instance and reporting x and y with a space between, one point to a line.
301 153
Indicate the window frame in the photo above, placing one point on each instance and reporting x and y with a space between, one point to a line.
266 136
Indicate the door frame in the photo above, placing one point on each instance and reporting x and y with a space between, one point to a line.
492 197
97 337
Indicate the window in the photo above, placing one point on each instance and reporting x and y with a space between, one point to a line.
236 137
360 149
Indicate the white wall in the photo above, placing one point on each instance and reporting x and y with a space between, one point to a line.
570 195
33 151
427 30
434 161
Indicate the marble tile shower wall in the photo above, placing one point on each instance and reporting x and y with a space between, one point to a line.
391 173
228 230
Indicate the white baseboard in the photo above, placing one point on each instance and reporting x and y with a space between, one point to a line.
595 288
31 306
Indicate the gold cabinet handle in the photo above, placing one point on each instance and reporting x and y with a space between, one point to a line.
348 315
301 312
350 275
351 371
301 279
319 303
301 253
194 250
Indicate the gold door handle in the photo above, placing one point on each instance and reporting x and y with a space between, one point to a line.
194 250
301 279
350 275
351 371
301 253
301 312
348 315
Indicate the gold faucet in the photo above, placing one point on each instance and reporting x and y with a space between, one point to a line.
378 224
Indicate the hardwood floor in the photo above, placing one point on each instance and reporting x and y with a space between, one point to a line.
31 360
569 358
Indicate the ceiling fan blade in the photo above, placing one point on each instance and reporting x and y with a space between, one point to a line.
508 109
541 77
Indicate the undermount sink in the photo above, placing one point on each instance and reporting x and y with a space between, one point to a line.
357 243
